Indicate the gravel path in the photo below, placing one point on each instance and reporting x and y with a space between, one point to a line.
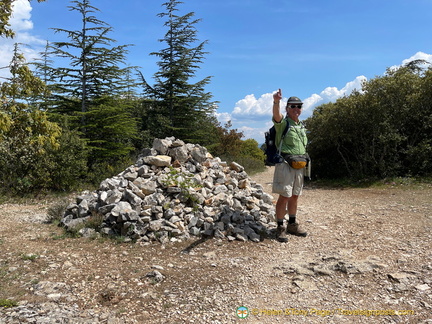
367 258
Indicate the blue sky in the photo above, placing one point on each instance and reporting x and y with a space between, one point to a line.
313 49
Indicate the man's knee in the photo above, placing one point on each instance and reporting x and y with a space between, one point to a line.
283 198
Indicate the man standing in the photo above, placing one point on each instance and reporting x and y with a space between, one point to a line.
288 181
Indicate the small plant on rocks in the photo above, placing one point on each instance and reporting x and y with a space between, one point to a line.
6 303
185 182
176 178
30 257
56 211
94 221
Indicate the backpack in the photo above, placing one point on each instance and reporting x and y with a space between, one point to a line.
271 151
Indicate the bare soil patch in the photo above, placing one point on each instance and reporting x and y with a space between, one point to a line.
368 252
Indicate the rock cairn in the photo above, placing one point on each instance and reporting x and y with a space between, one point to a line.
172 192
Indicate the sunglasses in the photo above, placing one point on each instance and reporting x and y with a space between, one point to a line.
295 106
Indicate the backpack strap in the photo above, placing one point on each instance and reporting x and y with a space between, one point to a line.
287 126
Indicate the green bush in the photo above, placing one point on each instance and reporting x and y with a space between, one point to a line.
250 164
69 162
383 131
26 168
106 169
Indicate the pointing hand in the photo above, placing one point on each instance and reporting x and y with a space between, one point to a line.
277 96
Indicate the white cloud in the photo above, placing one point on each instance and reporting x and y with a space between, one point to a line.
416 56
313 101
252 108
20 19
331 94
223 117
252 116
257 130
21 24
419 56
251 111
247 131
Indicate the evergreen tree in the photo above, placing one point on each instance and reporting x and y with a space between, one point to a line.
111 129
94 64
95 88
181 106
44 70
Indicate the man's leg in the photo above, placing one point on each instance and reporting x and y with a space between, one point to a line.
293 227
292 205
281 208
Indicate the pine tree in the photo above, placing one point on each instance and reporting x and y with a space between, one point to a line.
43 69
94 64
95 87
184 105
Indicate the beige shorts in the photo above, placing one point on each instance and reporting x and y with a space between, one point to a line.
287 181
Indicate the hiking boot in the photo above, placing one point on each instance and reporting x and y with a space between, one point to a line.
281 234
295 229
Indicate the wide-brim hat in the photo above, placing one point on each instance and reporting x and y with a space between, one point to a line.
294 100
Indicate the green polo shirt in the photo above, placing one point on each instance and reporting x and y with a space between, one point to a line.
295 140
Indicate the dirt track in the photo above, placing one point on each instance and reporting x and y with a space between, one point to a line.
367 258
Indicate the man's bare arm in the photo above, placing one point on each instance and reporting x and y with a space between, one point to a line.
277 116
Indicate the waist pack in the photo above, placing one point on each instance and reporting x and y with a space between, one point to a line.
297 161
